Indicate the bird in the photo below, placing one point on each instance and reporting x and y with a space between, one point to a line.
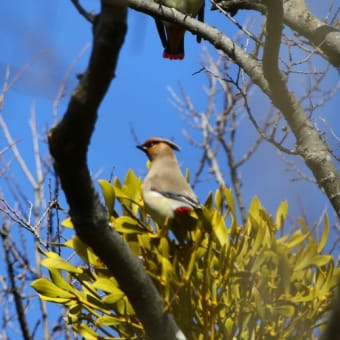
172 35
166 193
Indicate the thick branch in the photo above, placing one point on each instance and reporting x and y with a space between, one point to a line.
68 143
213 35
309 144
324 37
300 19
332 330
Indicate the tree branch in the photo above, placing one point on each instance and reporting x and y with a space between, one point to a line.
18 301
333 327
68 143
309 144
296 15
324 37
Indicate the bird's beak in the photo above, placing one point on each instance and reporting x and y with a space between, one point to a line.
144 149
141 147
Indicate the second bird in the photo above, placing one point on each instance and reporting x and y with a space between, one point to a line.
165 190
172 35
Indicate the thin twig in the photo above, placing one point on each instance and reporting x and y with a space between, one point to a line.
16 153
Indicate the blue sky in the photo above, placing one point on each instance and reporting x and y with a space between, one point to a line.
53 33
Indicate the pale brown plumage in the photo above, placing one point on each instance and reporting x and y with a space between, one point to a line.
165 190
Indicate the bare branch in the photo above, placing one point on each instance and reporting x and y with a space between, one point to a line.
82 11
309 144
293 167
16 153
15 291
296 15
11 213
69 151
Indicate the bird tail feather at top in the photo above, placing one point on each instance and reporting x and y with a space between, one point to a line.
174 48
171 34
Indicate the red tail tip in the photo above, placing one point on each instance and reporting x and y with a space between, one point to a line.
168 55
183 210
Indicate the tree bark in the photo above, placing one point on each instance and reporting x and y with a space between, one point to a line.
68 143
297 16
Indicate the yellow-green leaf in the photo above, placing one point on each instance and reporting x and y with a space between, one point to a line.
317 260
209 201
281 214
167 270
59 281
219 229
79 247
114 297
127 225
119 192
324 236
285 272
259 305
48 289
255 206
231 203
106 285
296 239
107 321
61 264
285 310
218 199
108 193
67 223
85 331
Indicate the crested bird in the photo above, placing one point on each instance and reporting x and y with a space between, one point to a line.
166 193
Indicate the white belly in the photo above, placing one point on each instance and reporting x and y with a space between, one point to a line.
160 207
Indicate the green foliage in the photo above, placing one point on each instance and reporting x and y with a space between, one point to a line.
224 281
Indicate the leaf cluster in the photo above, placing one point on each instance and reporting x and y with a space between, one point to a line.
221 280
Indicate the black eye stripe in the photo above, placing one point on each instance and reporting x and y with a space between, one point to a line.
150 144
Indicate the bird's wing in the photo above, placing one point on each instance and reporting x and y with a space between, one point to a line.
181 198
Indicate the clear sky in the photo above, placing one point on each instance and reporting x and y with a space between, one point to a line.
54 35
